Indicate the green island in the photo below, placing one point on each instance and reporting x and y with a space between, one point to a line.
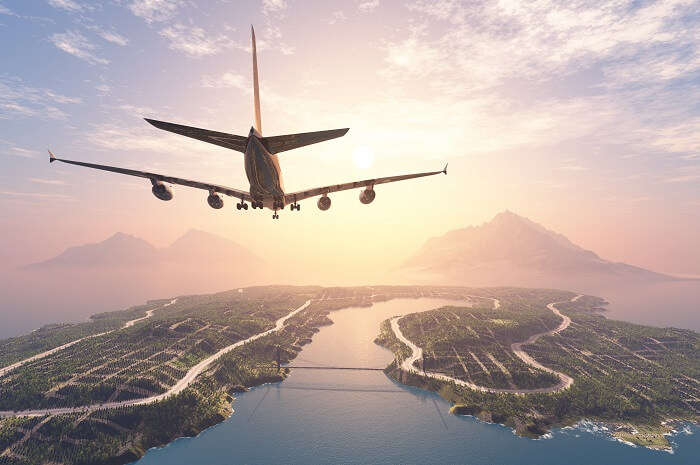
637 379
89 402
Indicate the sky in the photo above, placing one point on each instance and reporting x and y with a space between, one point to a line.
582 116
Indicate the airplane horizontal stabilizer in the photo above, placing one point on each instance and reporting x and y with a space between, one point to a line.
222 139
276 144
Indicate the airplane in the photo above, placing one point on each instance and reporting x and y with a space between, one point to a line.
261 164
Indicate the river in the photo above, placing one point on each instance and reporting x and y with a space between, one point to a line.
324 416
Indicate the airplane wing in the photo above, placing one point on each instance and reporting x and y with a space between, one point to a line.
243 195
301 195
222 139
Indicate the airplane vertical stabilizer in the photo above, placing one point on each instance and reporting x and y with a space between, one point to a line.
256 89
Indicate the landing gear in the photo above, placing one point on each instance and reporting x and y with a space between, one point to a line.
275 216
255 204
243 206
295 206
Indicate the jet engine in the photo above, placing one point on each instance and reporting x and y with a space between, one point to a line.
161 191
324 203
367 195
215 201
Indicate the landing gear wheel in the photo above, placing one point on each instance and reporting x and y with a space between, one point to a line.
238 206
245 206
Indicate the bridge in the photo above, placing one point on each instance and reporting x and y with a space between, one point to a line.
297 367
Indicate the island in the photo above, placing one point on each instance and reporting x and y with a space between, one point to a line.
106 390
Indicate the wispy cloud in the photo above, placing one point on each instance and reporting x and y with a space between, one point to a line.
337 17
18 151
113 37
76 44
368 6
19 99
35 195
155 10
273 6
6 11
679 179
53 182
195 41
227 80
68 5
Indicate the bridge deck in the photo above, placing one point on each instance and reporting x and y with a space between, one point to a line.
332 368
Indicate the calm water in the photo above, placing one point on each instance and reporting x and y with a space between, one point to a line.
320 416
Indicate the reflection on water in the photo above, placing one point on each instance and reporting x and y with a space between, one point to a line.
331 416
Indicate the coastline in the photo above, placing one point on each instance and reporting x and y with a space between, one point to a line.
651 435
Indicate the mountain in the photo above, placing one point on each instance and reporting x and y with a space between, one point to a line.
124 270
195 249
513 250
118 250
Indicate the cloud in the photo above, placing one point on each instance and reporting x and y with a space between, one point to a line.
18 151
113 37
337 17
679 179
53 182
68 5
195 41
368 6
227 80
18 99
35 195
103 88
74 43
273 6
6 11
155 10
487 42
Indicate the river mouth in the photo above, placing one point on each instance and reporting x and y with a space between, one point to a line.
335 416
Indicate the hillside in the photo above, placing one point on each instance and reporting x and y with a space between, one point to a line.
513 250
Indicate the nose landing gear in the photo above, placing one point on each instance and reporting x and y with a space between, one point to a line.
275 216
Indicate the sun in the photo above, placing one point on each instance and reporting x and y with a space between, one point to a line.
363 157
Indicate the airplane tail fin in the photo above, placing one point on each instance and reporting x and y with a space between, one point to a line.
256 90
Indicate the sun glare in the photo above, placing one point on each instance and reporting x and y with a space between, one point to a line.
363 157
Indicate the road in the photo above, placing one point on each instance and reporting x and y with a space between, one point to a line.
175 389
565 381
128 324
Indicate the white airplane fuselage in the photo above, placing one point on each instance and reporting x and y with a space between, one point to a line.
264 175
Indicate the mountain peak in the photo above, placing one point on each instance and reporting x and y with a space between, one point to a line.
511 245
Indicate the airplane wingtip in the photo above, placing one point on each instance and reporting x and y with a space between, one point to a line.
52 157
444 170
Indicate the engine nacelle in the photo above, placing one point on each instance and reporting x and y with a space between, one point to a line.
215 201
367 195
324 203
162 191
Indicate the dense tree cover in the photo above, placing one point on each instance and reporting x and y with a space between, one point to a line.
49 336
622 372
157 352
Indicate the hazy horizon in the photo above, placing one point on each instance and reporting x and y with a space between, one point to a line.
579 118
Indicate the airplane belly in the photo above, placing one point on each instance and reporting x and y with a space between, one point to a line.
262 170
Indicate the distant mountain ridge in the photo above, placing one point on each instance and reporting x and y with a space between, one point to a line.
124 250
513 250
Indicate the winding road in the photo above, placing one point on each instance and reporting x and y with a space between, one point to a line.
128 324
175 389
565 381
